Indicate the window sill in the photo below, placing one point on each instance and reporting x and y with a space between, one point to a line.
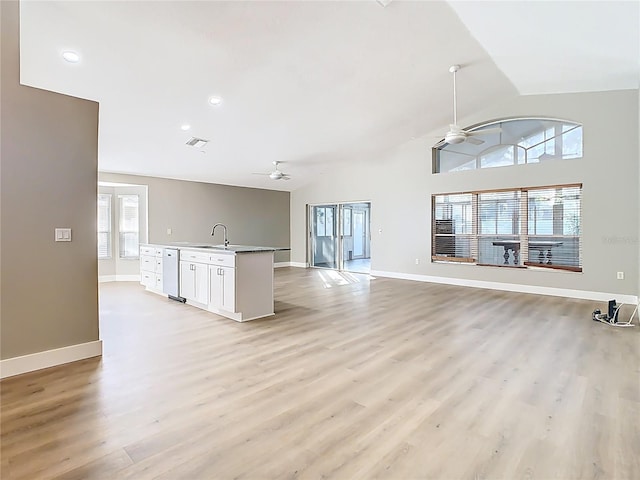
527 265
553 267
500 266
437 258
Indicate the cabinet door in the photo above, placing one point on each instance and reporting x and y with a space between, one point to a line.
215 287
228 285
222 288
201 274
187 281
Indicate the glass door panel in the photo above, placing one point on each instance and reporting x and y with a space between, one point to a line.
324 236
355 237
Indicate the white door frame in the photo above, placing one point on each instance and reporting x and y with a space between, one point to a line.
340 234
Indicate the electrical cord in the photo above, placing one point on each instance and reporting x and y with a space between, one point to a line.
604 318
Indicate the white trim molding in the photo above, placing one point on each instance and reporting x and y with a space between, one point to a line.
512 287
281 264
119 278
299 264
49 358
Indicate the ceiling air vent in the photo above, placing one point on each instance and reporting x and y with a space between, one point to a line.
196 142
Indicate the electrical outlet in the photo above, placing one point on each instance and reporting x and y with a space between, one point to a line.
417 261
620 276
168 231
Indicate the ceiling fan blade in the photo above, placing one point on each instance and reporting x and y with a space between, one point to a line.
474 141
440 143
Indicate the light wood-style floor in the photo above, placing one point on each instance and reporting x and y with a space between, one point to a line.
352 379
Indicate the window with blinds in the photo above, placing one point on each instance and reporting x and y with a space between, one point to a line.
129 226
104 226
524 227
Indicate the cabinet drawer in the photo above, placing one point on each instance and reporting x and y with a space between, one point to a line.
158 252
192 256
148 279
158 265
159 281
224 260
147 251
147 263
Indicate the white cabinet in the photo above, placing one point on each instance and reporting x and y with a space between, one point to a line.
222 288
194 281
241 285
151 267
236 284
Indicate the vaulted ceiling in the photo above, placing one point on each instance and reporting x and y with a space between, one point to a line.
310 84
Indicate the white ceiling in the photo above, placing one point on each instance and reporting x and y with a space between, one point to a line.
310 84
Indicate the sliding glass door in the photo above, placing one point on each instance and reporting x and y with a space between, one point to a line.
324 237
340 236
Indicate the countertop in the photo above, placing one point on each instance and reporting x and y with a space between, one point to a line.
222 248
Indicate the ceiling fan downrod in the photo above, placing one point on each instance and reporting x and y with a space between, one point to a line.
453 69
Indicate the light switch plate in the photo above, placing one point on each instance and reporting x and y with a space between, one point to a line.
63 234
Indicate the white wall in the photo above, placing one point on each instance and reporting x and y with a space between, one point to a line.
400 184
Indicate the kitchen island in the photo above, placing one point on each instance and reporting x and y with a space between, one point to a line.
235 281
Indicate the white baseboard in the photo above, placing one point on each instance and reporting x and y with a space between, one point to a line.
299 264
291 264
49 358
512 287
118 278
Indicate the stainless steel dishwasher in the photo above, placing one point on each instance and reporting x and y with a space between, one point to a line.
171 274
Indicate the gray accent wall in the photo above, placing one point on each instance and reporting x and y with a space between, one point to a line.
49 149
190 209
399 184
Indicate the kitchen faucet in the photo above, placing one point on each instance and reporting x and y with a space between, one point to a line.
226 242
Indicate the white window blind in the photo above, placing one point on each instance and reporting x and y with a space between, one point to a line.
129 226
104 226
534 227
453 227
554 235
499 221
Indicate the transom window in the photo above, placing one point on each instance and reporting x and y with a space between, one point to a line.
523 227
511 142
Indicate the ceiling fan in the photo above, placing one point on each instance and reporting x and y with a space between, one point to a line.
456 134
276 174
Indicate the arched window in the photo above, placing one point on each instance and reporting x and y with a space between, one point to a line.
509 142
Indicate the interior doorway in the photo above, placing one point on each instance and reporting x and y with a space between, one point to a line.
340 236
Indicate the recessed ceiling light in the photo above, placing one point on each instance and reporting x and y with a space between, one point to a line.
71 57
215 101
185 127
